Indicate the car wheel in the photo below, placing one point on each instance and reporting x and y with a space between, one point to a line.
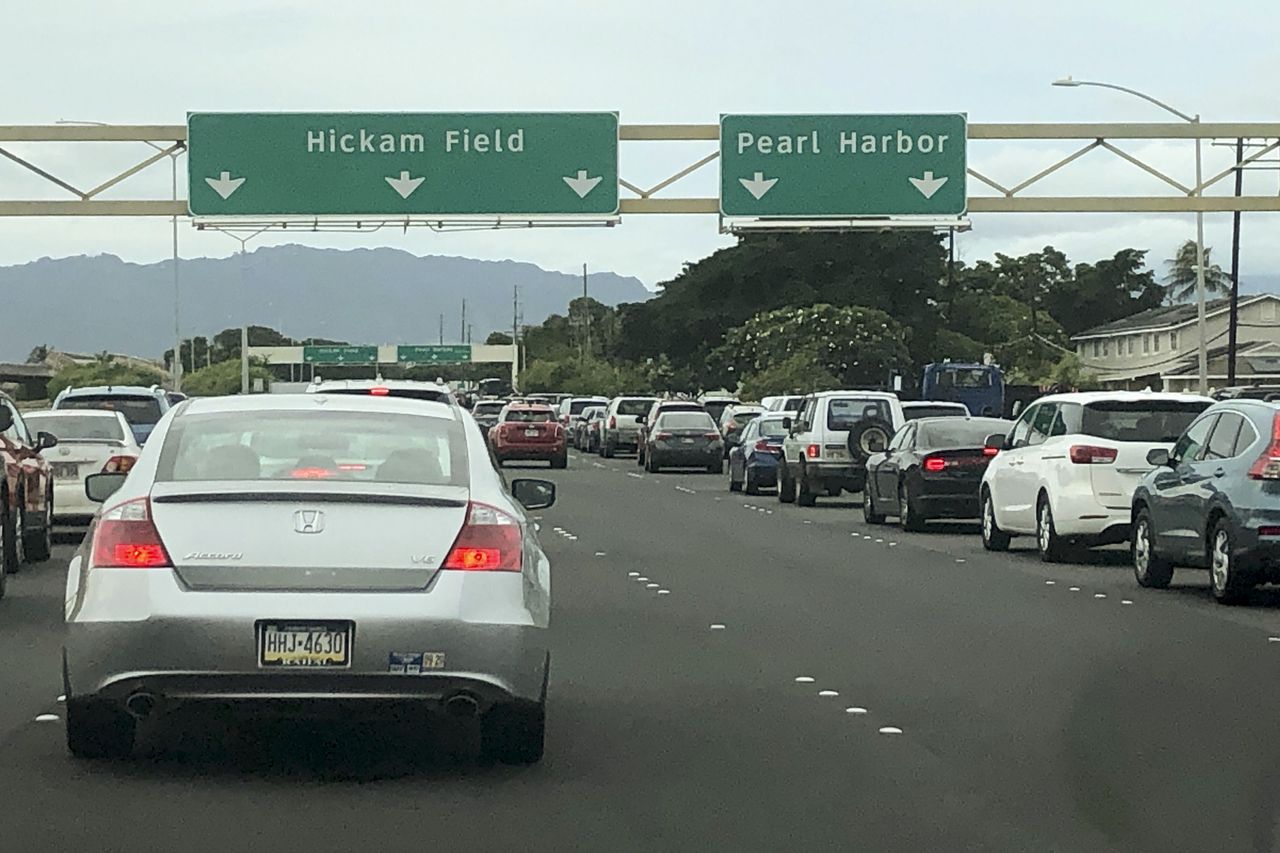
716 468
869 514
98 730
1048 542
805 496
993 538
607 450
514 733
9 547
786 485
640 458
39 544
910 519
1149 570
1228 576
735 484
15 540
749 484
561 461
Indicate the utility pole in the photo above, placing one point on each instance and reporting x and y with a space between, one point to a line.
1235 270
586 316
462 332
441 330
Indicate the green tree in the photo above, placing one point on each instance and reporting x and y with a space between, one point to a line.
583 376
796 374
101 372
223 378
1181 277
498 339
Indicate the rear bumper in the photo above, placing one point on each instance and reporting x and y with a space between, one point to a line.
1078 514
949 506
691 458
70 501
529 451
849 476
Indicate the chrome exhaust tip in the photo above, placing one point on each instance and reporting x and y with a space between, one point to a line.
141 705
461 705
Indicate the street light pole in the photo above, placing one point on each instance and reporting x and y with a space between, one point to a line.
1203 354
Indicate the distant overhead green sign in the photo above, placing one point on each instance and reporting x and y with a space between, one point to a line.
814 166
339 355
433 354
388 164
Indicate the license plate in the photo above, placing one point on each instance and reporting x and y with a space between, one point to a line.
304 644
66 470
532 433
837 454
686 441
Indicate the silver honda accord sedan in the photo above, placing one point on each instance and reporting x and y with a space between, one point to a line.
308 555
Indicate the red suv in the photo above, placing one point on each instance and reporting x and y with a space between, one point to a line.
527 431
26 493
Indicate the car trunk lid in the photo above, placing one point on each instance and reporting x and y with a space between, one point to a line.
1113 482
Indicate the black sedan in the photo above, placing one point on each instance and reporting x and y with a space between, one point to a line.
931 469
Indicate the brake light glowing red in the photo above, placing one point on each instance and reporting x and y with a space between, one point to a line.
119 465
352 466
126 538
1089 454
813 451
990 451
1267 466
934 463
1269 531
489 541
714 436
315 473
379 391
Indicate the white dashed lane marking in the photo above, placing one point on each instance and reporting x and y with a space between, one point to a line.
633 574
652 585
664 592
855 710
634 474
1125 601
804 679
828 693
47 718
716 626
890 730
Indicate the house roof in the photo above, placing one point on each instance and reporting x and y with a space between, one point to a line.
1164 317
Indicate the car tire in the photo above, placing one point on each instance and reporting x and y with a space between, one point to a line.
909 517
734 485
640 454
993 538
716 468
1229 578
1051 546
1149 569
514 733
561 461
868 437
749 484
10 549
15 539
805 495
786 485
607 449
869 514
39 544
98 730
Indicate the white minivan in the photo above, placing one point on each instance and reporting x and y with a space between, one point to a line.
1067 470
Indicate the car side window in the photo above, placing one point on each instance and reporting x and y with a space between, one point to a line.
1246 437
1067 420
1023 428
1042 423
1188 447
810 409
1222 441
16 429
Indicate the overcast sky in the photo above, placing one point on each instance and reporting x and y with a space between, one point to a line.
148 61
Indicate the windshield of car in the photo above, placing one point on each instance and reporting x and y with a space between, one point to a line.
528 416
912 413
85 428
686 420
488 408
137 410
634 407
958 433
965 377
844 412
771 429
314 445
1140 420
743 417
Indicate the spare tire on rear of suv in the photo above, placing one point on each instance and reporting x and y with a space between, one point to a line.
868 436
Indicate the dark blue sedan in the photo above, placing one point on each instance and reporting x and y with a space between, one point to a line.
753 461
1213 502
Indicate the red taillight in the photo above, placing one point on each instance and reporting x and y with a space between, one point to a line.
662 436
714 436
352 466
311 473
934 463
613 422
379 391
1269 531
119 465
126 538
990 451
1089 454
1267 466
812 451
489 541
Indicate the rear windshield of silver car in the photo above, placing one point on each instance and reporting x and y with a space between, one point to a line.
136 410
333 446
956 434
772 429
844 412
86 428
686 420
635 407
1136 420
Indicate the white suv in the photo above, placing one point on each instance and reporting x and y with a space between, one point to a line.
1067 471
829 442
621 430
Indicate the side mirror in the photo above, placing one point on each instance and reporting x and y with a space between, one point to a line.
99 487
6 418
1158 456
995 441
786 424
534 494
639 419
45 440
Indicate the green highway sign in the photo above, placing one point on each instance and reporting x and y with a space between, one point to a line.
339 355
392 164
823 166
433 354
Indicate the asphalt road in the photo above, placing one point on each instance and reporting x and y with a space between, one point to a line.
868 690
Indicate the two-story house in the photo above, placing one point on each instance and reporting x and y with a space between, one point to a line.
1158 349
